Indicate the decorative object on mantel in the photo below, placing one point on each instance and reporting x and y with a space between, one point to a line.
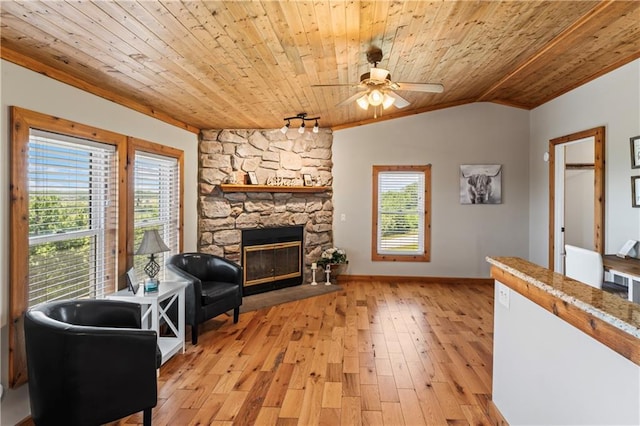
253 179
303 117
151 244
282 181
314 267
308 181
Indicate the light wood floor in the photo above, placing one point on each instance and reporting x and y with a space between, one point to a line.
374 354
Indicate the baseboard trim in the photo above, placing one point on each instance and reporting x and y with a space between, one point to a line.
496 417
422 279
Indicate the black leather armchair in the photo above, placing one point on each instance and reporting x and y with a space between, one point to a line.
89 362
215 287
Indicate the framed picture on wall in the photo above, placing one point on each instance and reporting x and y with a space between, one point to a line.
635 191
481 184
635 152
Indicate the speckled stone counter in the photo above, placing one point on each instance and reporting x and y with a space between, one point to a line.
564 353
606 317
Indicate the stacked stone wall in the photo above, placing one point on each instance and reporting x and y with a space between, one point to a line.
227 155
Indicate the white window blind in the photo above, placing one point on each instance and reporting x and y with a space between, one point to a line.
156 204
72 217
400 213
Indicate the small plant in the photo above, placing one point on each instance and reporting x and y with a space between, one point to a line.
333 255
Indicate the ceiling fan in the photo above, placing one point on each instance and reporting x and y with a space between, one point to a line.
377 89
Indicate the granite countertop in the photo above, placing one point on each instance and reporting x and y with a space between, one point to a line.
612 309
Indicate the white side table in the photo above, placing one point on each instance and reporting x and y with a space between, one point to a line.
153 312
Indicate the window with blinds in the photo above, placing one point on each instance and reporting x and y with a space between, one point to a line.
401 209
72 217
156 204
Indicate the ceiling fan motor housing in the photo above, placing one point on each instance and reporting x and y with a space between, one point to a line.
374 55
366 79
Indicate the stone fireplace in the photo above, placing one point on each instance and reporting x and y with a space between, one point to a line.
225 215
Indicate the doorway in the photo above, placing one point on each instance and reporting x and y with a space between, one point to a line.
570 165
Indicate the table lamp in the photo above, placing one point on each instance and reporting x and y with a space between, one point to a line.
151 244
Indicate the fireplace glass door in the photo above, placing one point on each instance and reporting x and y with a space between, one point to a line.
271 262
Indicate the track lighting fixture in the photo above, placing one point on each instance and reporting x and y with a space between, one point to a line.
303 117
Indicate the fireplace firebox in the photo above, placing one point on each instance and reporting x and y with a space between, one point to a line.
272 258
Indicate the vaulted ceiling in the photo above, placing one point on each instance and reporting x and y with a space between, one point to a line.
249 64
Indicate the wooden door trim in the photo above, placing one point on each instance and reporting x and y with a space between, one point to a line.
598 134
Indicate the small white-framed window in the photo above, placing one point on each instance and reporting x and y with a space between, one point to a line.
401 213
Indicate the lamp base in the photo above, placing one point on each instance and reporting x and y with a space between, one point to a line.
151 285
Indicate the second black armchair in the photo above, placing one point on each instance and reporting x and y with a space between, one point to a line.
215 287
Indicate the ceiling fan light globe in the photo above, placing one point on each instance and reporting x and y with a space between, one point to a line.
387 101
375 97
363 102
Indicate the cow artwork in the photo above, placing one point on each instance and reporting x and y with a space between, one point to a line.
481 184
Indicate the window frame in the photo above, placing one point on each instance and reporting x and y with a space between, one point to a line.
22 121
426 254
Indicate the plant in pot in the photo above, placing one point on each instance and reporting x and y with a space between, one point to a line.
335 258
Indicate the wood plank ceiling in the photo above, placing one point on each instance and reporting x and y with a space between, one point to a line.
249 64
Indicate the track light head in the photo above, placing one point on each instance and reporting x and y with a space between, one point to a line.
301 128
285 128
316 127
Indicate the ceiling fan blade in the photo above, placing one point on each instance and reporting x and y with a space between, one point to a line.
421 87
400 102
349 99
335 85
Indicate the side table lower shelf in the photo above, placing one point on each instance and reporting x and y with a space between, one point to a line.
153 312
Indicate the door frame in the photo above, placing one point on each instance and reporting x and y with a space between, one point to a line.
598 135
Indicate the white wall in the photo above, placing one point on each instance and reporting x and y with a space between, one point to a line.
461 235
547 372
613 101
26 89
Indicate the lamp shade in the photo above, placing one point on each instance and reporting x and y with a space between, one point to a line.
387 101
363 102
151 243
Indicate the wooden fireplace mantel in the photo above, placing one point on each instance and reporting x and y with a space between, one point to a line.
227 187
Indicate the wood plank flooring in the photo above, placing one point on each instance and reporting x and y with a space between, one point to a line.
377 353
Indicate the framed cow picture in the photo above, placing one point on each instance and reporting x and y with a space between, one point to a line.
481 184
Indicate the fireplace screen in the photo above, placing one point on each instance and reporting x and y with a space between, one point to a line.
271 262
